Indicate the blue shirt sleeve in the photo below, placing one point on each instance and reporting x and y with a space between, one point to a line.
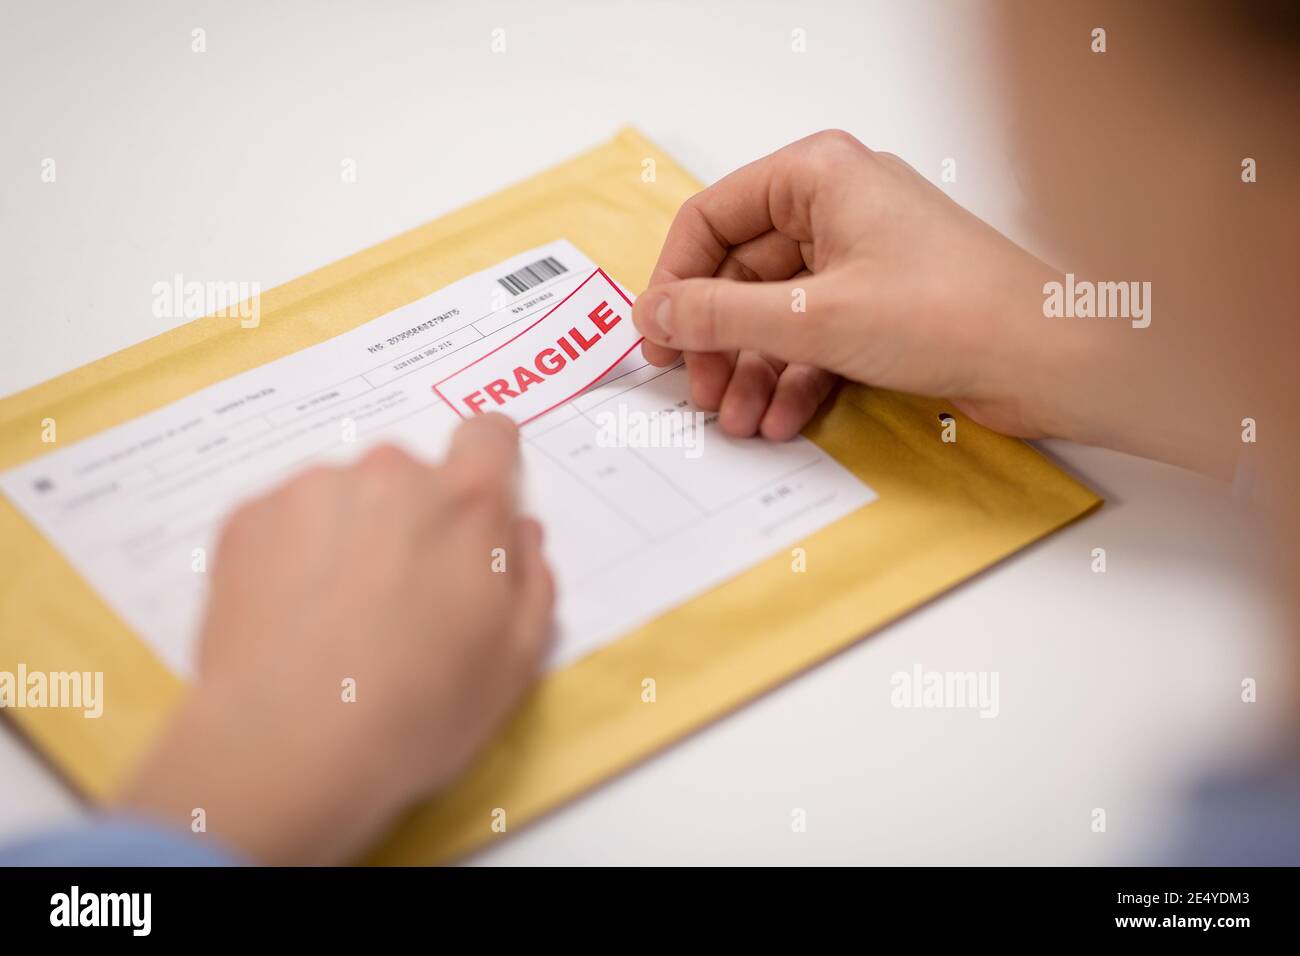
119 841
1244 818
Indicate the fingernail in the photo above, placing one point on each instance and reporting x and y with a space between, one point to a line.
663 317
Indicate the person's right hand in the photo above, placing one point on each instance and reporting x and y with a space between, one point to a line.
901 287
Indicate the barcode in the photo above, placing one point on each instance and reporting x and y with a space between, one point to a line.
536 273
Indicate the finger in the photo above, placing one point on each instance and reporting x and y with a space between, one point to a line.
793 320
659 355
775 192
381 473
800 391
747 396
765 257
483 459
534 599
319 490
778 365
492 439
709 373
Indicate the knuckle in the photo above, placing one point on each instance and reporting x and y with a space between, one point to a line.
307 482
839 138
386 462
692 208
689 207
299 491
708 315
837 143
698 228
305 496
383 472
832 150
474 481
895 162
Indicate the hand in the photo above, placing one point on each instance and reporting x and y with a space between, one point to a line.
902 287
379 577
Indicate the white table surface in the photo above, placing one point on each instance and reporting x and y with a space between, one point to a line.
1117 690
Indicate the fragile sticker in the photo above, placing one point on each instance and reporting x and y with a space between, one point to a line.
551 361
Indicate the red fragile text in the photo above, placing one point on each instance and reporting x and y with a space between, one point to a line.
569 347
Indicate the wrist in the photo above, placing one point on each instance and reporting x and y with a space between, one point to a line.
280 792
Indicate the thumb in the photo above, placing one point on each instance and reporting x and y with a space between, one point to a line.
721 315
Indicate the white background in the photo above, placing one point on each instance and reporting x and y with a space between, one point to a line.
1118 691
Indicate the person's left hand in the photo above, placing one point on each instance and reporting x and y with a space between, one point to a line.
364 639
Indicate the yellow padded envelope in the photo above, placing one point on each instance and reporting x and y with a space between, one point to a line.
946 511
